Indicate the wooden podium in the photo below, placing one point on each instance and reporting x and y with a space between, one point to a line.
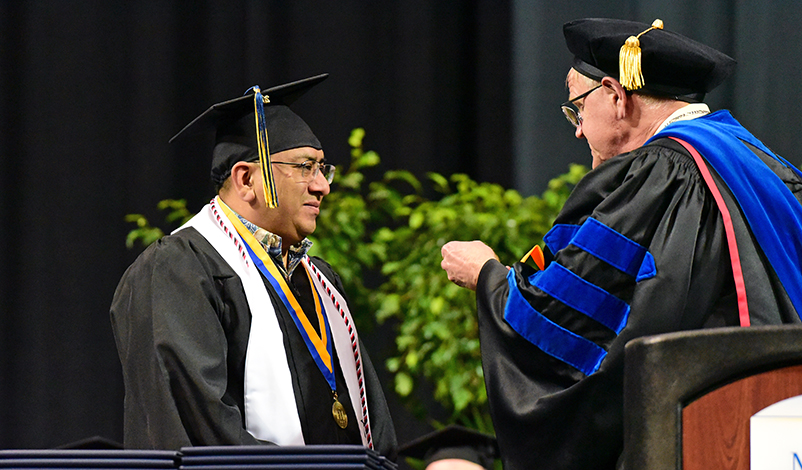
688 396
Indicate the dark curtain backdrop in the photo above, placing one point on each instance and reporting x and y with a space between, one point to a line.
90 92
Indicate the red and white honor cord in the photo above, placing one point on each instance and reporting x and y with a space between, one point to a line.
357 359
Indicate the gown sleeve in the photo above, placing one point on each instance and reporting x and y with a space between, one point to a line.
638 249
179 339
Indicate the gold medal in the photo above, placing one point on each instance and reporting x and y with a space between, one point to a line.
338 411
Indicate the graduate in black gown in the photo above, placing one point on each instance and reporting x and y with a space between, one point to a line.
228 332
686 221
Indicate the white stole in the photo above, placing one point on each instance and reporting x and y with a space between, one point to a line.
271 413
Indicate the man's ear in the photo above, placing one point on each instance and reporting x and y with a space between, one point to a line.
243 180
619 95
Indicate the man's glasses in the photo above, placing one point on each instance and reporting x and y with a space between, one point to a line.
570 110
311 168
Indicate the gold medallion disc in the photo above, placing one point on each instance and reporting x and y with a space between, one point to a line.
338 411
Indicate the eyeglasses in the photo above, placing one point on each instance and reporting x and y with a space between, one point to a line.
570 110
311 168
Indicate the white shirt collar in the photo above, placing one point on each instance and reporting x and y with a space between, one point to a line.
690 111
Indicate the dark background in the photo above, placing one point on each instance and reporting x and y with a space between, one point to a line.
90 92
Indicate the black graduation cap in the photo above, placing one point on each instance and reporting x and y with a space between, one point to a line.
453 442
253 126
646 58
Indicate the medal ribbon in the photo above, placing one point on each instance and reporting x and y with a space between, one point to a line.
319 345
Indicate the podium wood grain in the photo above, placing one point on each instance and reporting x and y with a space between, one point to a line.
715 427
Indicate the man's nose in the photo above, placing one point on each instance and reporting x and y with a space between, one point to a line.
320 184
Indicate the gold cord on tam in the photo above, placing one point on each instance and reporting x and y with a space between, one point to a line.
629 60
268 184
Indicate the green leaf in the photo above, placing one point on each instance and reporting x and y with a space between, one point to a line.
350 180
440 182
366 160
437 305
390 305
138 219
411 360
416 220
355 140
392 364
405 176
403 384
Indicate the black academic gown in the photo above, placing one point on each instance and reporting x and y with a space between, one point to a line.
548 414
182 322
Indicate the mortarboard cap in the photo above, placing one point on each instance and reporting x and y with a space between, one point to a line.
646 58
260 119
453 442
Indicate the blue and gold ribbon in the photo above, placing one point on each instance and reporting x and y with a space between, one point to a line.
318 344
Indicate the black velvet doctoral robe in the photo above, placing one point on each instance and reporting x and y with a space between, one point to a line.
550 414
182 323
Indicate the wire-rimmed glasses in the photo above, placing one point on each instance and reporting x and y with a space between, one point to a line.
311 168
571 111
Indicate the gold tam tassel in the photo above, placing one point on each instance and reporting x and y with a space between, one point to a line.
629 60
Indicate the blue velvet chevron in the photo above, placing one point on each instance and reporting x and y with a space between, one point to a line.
566 287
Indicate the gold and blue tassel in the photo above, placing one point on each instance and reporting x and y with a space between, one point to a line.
263 147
